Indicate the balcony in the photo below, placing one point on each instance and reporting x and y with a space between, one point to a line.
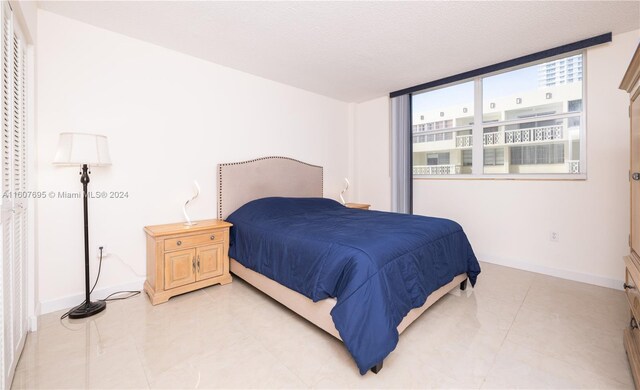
448 169
518 136
464 141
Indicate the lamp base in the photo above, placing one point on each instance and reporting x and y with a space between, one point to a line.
88 309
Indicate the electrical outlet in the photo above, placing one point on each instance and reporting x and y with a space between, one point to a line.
555 236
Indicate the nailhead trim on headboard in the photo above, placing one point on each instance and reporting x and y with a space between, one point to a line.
254 160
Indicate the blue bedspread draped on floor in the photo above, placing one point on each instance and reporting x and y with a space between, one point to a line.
378 265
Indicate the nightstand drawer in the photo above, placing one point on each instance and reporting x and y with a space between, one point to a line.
192 241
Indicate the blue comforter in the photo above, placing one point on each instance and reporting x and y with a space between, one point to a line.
378 265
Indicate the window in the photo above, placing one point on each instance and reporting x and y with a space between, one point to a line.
538 132
494 156
439 137
537 154
575 105
437 158
529 120
467 157
448 117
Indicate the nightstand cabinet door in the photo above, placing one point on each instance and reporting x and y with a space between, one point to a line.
179 268
210 261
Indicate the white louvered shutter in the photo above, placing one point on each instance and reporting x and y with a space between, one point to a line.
5 213
18 174
13 213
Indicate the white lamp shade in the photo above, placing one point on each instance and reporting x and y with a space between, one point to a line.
81 148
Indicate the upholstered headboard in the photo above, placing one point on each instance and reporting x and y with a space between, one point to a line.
242 182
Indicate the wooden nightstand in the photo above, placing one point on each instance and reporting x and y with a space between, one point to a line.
362 206
184 258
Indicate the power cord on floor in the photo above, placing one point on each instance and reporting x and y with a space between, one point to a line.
108 298
131 294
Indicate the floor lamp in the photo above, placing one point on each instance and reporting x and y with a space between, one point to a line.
84 150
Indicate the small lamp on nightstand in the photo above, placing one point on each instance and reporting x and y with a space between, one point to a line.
84 150
350 205
346 187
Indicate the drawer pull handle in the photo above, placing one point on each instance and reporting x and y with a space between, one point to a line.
198 262
193 263
213 237
628 287
179 242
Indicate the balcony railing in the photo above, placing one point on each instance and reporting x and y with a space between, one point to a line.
573 166
493 138
535 134
448 169
463 141
518 136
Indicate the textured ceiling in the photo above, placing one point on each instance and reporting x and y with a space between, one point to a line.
354 51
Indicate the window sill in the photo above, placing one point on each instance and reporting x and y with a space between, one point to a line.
525 177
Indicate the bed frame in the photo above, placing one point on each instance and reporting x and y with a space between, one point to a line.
242 182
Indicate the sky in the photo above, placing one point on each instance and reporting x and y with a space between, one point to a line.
501 85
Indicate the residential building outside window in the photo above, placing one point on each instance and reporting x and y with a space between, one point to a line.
445 116
530 120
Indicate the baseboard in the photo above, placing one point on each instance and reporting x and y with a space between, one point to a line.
73 300
32 320
559 273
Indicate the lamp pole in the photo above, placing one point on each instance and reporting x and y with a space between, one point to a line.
88 308
84 179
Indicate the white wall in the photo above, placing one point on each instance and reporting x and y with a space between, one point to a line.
509 222
170 119
372 183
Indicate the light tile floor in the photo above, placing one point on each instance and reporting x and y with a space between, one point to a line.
515 329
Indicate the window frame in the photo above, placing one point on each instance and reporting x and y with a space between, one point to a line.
477 168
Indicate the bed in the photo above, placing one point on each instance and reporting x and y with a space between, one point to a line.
362 276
